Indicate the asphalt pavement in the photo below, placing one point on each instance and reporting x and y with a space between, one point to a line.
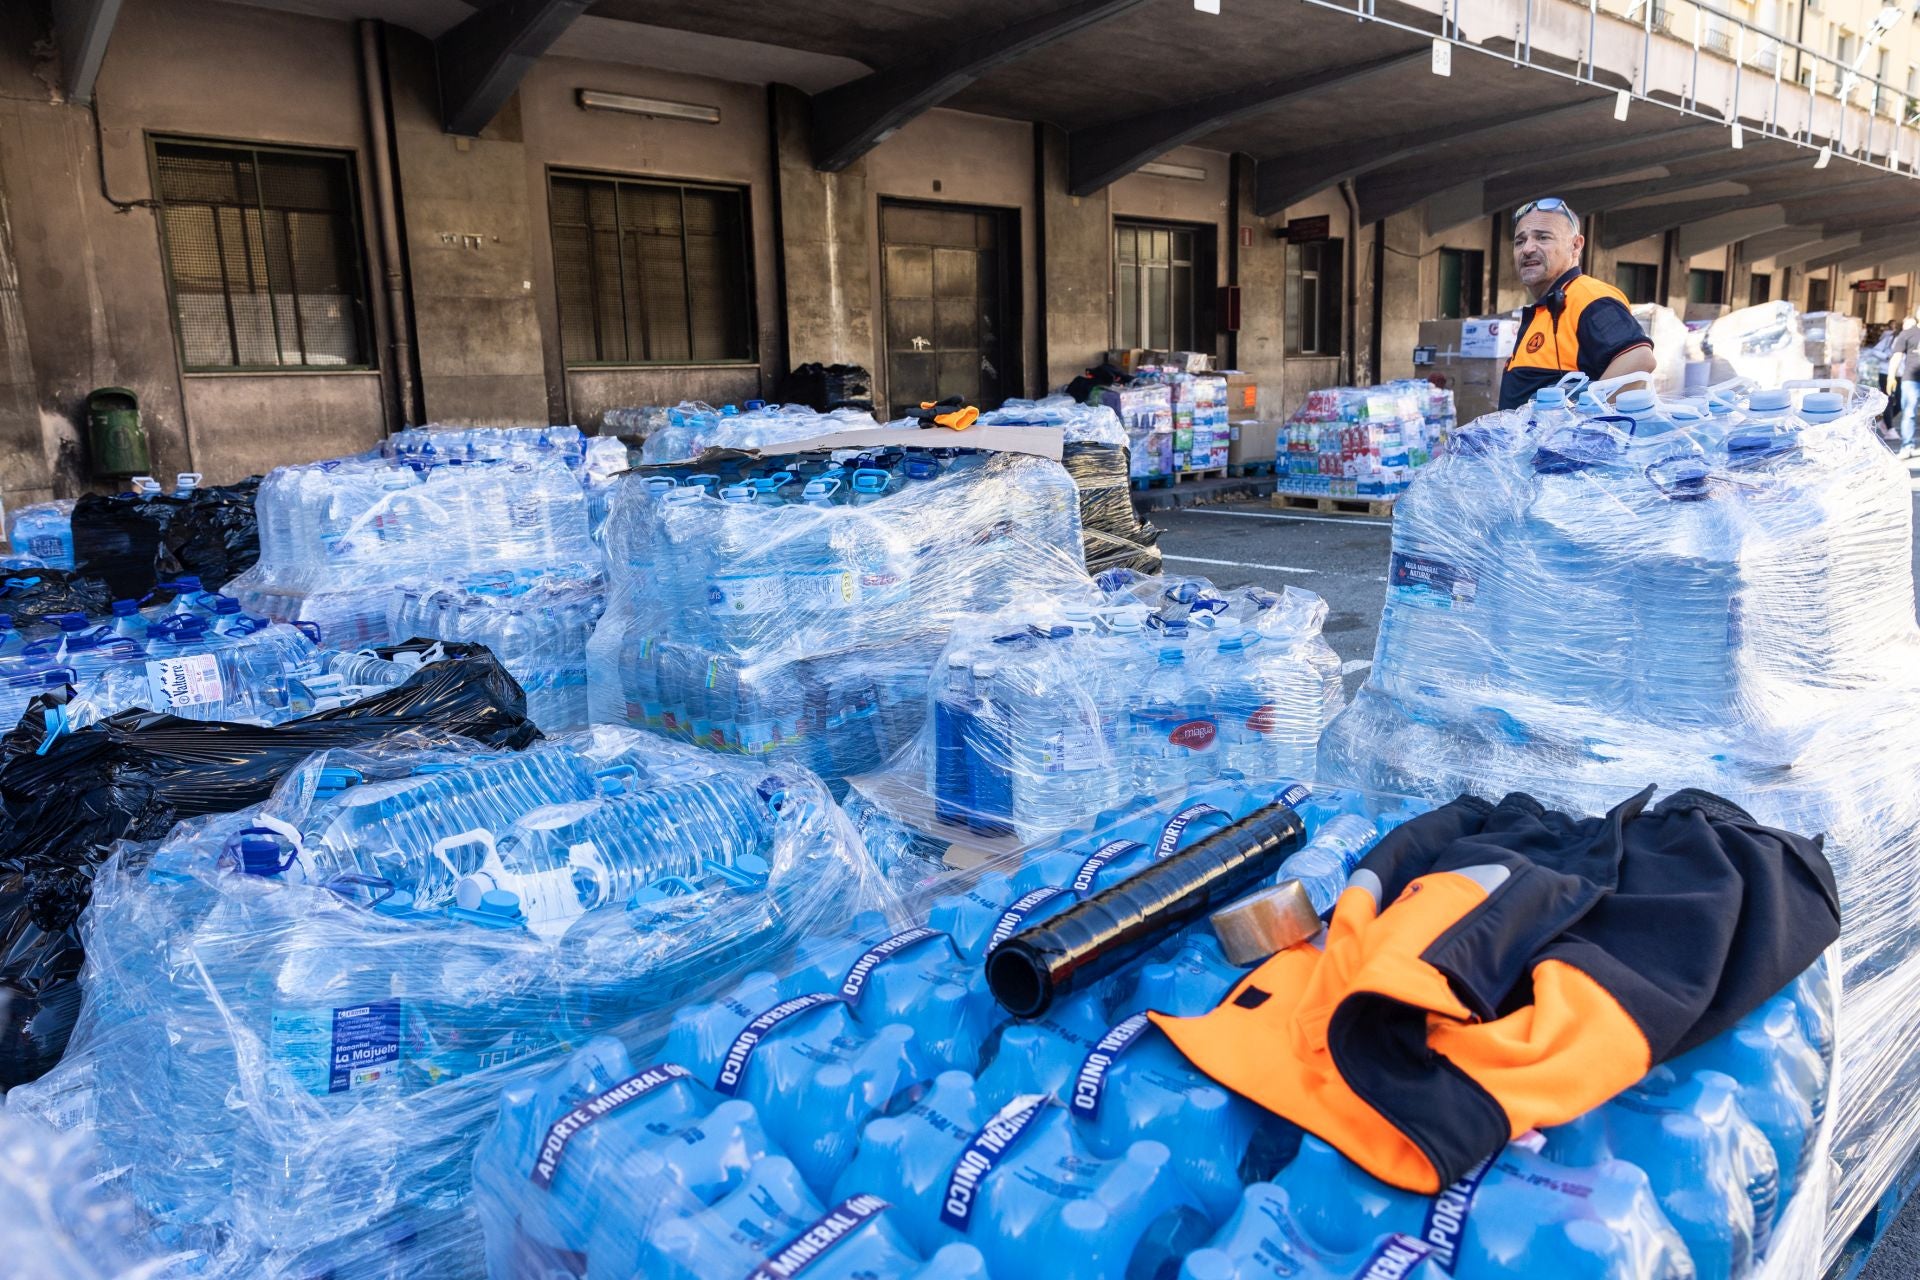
1344 560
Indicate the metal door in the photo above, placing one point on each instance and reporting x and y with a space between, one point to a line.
949 304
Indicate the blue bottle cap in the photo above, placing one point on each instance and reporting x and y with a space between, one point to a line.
1637 400
1772 400
1550 398
125 608
69 621
221 605
755 404
1819 406
187 582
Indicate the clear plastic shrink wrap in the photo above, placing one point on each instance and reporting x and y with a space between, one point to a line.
691 428
865 1108
1668 333
1095 455
1063 705
1764 343
63 1215
337 537
1715 594
535 621
300 1017
792 607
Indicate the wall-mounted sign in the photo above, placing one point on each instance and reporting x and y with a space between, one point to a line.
1301 229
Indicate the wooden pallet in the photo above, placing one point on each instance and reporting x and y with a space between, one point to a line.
1871 1229
1142 483
1204 473
1379 508
1239 470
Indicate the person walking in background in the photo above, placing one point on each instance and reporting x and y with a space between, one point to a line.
1903 363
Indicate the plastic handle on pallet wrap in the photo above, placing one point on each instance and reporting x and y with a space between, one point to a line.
1037 966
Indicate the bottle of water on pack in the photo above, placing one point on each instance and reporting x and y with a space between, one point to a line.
12 643
952 713
1764 431
185 483
127 622
81 647
1323 864
1550 411
1687 599
1115 662
1158 710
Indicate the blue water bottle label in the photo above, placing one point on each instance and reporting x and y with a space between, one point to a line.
1294 794
1393 1259
1090 1084
1016 915
987 1149
819 1239
733 1068
1097 860
1447 1216
366 1040
860 970
562 1131
1177 826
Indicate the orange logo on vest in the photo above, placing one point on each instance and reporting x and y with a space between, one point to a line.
1536 342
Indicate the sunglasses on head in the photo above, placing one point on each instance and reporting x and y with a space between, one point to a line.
1549 204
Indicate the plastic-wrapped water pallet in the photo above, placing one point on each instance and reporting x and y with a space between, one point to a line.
1722 598
299 1018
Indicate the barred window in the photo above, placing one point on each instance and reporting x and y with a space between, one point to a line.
651 272
263 256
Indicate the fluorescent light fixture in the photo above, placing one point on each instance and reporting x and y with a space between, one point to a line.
658 108
1826 154
1185 172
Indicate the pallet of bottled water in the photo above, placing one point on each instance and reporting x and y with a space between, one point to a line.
1060 706
593 460
866 1109
196 655
791 607
535 621
300 1017
1594 591
337 537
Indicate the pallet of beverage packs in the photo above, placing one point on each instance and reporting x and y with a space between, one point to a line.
301 1017
1766 344
337 538
690 428
1061 706
790 606
1471 355
592 460
1094 450
1356 442
1146 414
1584 596
1833 344
866 1108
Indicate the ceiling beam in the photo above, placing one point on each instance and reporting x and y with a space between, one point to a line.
1769 244
1717 233
1287 180
482 60
1101 154
1869 248
1608 160
81 29
852 119
1384 193
1825 245
1890 259
1600 199
1624 226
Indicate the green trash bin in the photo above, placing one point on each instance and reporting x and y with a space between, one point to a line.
116 442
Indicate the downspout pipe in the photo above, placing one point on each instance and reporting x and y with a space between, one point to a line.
387 218
1353 280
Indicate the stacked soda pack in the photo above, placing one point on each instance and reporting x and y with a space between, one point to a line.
191 653
337 538
1587 594
300 1017
1063 705
791 607
864 1108
1363 442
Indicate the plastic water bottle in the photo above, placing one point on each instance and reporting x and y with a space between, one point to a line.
12 643
1687 600
1158 711
45 531
1323 864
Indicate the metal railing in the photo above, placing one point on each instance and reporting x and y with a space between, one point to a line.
1843 110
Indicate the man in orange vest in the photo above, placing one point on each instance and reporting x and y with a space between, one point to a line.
1574 321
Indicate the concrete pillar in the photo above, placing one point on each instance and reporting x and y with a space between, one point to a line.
1401 304
23 475
469 224
1263 292
825 247
1075 272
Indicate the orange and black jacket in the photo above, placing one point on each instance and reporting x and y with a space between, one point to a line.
1580 323
1495 968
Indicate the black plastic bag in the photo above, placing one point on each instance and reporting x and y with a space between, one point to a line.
134 775
133 542
1111 533
32 596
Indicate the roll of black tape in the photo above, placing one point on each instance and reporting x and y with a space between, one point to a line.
1037 966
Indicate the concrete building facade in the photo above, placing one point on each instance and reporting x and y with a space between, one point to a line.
976 237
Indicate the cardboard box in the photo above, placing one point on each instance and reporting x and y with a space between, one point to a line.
1243 394
1483 338
1253 440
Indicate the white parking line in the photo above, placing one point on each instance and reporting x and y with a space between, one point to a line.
1241 564
1276 515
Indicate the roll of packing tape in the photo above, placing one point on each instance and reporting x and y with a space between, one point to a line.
1265 923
